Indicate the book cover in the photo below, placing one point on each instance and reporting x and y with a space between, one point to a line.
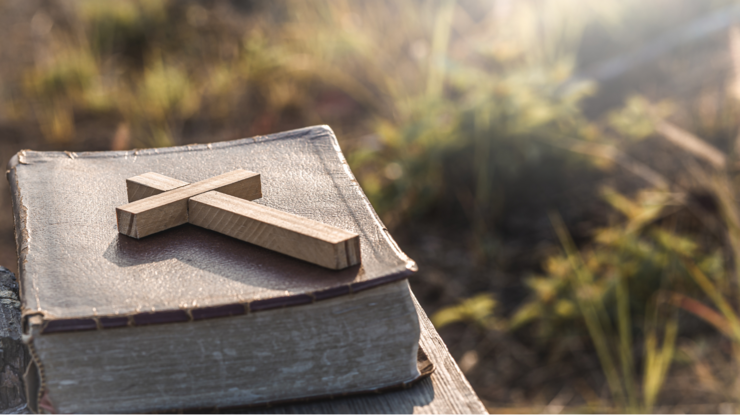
78 273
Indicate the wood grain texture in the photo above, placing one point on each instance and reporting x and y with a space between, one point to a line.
150 184
446 391
298 237
276 230
169 209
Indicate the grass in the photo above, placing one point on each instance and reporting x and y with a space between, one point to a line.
643 267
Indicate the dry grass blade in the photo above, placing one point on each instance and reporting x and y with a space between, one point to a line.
658 361
591 309
624 322
724 190
716 295
734 40
617 156
691 143
702 311
735 85
440 43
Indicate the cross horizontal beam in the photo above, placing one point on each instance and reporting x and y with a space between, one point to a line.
235 216
169 209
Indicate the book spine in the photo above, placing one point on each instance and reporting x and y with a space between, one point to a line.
93 323
22 237
33 380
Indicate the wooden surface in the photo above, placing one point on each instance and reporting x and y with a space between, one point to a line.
169 209
276 230
150 184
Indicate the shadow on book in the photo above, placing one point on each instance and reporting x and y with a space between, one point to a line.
225 256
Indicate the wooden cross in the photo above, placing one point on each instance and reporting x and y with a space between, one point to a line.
223 204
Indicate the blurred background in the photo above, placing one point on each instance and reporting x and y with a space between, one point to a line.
564 172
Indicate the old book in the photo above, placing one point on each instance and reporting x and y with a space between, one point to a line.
192 318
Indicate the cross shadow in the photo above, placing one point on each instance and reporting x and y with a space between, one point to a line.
225 256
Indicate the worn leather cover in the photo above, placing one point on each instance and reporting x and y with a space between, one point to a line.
78 273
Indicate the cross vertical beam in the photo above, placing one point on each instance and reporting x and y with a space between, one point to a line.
235 216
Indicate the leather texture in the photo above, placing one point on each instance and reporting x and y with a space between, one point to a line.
76 269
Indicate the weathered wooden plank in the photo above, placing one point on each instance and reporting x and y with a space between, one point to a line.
286 233
169 209
446 391
451 391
